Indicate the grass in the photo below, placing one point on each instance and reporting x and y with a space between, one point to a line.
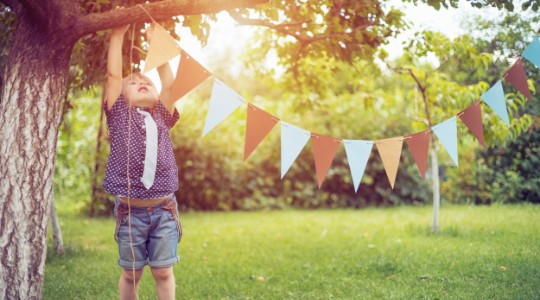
480 253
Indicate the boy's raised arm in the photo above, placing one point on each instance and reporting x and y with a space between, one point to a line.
165 76
114 65
167 80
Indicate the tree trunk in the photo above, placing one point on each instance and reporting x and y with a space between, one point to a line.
436 191
57 233
31 104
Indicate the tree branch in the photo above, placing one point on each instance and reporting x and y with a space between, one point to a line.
420 86
160 11
284 28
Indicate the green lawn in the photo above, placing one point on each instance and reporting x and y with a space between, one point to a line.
481 253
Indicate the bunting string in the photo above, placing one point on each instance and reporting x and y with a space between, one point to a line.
224 100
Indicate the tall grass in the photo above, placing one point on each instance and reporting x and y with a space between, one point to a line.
481 253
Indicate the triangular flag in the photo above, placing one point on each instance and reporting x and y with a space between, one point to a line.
357 154
162 49
324 150
447 134
189 75
419 146
517 77
532 53
223 102
258 125
390 152
494 98
293 140
472 117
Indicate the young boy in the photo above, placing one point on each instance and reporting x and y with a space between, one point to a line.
142 173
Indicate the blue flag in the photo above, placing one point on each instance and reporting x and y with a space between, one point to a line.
447 134
494 98
223 102
532 53
358 152
293 140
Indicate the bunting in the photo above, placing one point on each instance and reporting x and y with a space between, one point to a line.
390 152
324 150
162 48
517 77
189 75
419 146
223 102
293 140
447 134
494 98
358 152
258 124
472 117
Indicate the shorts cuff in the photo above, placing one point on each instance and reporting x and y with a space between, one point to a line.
164 263
129 265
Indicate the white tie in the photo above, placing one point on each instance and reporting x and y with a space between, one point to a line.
150 157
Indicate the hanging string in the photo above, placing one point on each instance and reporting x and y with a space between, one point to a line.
147 13
128 163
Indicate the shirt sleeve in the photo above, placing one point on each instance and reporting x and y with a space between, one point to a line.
169 119
117 111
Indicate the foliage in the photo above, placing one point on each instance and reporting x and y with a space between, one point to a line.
508 173
508 5
7 26
480 253
338 30
75 155
507 170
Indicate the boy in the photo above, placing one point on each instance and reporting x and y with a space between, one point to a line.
142 173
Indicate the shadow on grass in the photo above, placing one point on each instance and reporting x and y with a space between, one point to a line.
448 231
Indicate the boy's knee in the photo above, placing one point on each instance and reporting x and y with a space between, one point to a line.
129 275
162 274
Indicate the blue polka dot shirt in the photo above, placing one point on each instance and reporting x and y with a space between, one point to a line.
166 179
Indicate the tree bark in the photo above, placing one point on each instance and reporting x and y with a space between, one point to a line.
30 114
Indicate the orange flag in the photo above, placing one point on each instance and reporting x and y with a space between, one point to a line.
259 123
162 49
390 152
419 146
190 74
324 150
472 117
517 77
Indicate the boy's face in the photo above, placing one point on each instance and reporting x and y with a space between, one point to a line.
140 91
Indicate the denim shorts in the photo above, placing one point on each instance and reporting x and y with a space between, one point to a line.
155 234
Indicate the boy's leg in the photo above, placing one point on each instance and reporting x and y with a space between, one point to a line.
165 285
128 291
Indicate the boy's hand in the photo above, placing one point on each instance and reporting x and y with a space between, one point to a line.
122 29
149 32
